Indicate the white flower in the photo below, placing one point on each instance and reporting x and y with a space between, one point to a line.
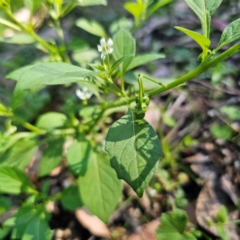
83 93
105 47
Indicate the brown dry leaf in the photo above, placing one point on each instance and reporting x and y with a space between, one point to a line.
209 201
198 158
94 225
230 189
145 232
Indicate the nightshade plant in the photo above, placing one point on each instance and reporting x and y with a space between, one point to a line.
132 148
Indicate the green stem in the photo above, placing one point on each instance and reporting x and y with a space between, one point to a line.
196 72
141 92
10 24
40 40
29 126
62 48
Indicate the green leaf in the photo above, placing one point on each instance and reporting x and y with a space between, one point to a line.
4 111
7 142
222 215
48 74
204 9
136 9
33 5
78 156
37 229
221 132
100 189
231 111
173 226
92 27
118 62
51 120
70 198
29 223
52 157
230 34
19 39
143 59
134 149
85 3
19 154
201 40
14 181
5 204
123 44
156 5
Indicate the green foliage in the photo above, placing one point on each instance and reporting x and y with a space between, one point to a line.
133 147
14 181
48 74
144 59
124 45
173 226
201 40
29 223
99 187
19 154
204 10
231 111
92 27
78 156
85 3
222 215
52 157
33 5
51 120
221 132
70 198
135 139
230 34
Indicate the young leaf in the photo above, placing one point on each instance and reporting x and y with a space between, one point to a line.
52 157
204 9
230 33
201 40
221 132
78 156
48 74
70 198
14 181
5 111
173 226
124 44
222 215
19 154
51 120
100 189
85 3
92 27
231 111
118 62
143 59
136 9
134 149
